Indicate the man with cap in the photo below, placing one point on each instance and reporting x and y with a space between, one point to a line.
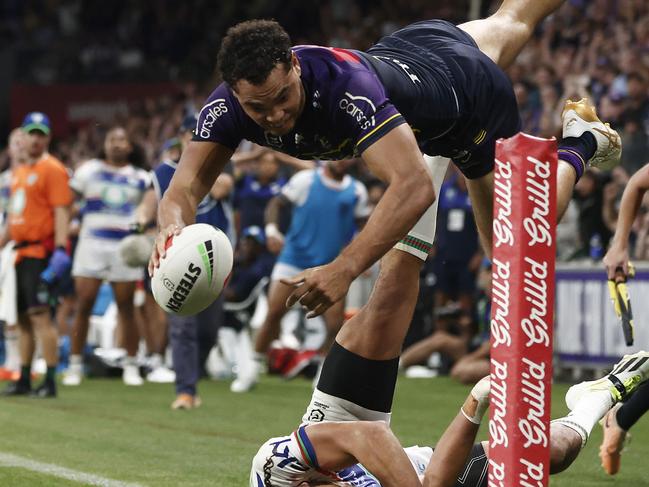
37 221
191 337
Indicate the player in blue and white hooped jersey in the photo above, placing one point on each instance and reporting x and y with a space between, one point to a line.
109 192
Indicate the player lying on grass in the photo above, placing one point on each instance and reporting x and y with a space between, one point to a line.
345 437
622 417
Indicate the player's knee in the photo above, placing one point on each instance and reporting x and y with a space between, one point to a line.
460 373
563 451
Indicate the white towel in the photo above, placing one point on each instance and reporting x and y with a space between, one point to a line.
8 303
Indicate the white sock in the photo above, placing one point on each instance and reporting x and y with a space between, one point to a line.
76 361
156 361
587 412
129 361
12 348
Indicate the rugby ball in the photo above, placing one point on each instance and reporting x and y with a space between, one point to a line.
194 271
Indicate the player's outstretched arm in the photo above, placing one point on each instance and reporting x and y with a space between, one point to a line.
396 159
453 449
199 166
618 253
370 443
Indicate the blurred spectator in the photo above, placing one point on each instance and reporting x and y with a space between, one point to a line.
458 255
109 191
255 188
467 348
38 221
589 199
326 203
192 337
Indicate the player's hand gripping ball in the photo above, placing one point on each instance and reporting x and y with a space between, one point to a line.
195 270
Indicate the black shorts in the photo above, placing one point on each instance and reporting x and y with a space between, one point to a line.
31 292
462 123
475 470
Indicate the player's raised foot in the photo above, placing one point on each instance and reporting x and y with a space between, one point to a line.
613 442
623 380
579 117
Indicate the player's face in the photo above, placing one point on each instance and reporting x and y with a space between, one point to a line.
17 146
117 145
268 167
37 143
276 104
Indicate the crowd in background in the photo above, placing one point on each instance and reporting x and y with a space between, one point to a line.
597 49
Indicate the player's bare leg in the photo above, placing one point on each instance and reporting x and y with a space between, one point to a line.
589 402
587 142
503 35
269 331
443 342
123 292
377 331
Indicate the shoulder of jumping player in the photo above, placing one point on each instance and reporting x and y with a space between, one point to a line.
349 91
222 120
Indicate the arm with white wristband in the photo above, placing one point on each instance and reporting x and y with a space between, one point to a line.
274 237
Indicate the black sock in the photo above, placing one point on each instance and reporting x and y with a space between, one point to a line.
577 151
50 375
26 374
634 408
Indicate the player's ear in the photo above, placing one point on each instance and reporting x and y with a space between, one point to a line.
295 64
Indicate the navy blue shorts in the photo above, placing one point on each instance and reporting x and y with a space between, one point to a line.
454 278
464 122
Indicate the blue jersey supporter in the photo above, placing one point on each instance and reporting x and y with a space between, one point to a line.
253 191
324 216
214 212
457 245
326 203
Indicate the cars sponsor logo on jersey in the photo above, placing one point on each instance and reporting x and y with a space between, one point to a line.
360 108
210 114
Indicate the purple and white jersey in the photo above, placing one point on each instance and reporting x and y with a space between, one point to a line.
346 110
287 461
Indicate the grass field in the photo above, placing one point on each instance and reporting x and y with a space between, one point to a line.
130 434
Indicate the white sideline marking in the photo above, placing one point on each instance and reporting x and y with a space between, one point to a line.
9 460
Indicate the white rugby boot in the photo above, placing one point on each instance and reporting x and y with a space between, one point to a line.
579 117
623 380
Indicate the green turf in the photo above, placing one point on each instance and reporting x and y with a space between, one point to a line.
131 435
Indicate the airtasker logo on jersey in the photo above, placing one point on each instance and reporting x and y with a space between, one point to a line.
360 108
184 287
209 114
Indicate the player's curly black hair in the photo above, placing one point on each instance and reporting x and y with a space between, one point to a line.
251 50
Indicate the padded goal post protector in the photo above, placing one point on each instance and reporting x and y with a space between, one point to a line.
522 311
